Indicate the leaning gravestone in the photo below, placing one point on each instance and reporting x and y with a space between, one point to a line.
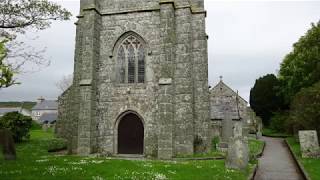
238 151
309 144
7 143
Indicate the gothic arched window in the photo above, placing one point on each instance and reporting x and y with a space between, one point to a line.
131 60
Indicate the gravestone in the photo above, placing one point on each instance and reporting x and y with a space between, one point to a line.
238 151
45 127
7 143
309 144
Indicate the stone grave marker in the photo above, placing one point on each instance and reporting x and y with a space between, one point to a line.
309 143
238 151
7 143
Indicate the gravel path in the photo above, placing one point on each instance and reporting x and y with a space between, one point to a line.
276 162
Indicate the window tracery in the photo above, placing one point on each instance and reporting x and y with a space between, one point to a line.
131 60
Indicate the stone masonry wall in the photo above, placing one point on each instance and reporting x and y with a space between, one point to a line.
173 102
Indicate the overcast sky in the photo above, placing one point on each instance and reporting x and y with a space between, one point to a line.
247 39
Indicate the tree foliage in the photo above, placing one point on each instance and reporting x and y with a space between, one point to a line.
301 67
6 72
264 99
18 16
305 109
18 124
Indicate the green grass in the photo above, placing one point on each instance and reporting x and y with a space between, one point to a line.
34 162
272 133
255 146
312 166
213 154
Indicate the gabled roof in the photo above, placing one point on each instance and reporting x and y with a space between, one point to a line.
46 105
48 117
220 85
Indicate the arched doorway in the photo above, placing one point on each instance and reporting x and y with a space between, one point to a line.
130 135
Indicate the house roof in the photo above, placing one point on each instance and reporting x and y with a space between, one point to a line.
48 117
3 111
46 105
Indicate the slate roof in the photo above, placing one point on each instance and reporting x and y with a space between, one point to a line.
46 105
48 118
3 111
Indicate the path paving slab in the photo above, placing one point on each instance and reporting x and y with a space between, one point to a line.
277 162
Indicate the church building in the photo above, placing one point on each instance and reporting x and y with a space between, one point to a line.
140 80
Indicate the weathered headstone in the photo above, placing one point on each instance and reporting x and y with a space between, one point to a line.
227 125
45 127
238 151
309 143
245 131
7 143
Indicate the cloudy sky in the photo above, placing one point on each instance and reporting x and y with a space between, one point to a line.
247 39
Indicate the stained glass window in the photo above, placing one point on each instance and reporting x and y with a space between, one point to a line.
131 60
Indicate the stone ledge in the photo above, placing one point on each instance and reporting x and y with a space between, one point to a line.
165 81
85 82
300 166
192 9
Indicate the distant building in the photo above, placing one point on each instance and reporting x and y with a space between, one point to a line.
5 110
227 107
48 118
45 110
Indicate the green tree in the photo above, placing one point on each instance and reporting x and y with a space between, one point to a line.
16 17
305 109
6 72
18 124
301 67
264 99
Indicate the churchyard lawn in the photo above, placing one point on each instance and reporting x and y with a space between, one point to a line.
312 166
34 162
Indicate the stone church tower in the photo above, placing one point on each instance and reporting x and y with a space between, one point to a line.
140 79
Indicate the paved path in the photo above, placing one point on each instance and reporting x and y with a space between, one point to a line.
276 162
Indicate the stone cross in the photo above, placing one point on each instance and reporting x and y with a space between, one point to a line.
309 143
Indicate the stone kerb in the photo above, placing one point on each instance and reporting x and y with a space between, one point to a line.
309 143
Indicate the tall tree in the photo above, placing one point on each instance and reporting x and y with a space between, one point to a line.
305 109
19 16
301 67
264 98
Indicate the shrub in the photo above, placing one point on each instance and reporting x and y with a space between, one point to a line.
18 124
279 121
214 143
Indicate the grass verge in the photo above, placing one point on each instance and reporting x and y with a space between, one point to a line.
312 166
271 133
